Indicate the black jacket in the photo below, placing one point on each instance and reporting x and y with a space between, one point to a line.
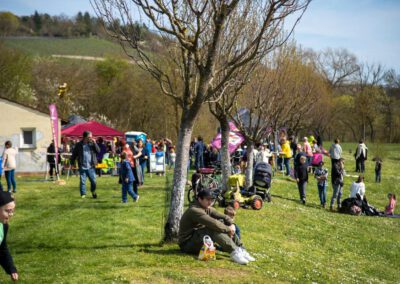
301 173
6 260
78 154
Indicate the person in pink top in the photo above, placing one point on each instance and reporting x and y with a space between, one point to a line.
308 150
9 165
389 210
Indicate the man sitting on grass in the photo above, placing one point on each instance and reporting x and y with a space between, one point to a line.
201 219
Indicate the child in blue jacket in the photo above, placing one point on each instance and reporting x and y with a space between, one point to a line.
128 180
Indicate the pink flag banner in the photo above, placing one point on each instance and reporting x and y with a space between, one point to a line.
54 128
235 139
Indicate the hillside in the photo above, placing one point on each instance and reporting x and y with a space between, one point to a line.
46 46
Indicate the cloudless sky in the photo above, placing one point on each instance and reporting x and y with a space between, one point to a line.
368 28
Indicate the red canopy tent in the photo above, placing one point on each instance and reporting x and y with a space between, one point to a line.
97 129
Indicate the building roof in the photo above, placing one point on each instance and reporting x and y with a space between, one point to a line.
25 106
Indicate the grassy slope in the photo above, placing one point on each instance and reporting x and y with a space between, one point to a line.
74 46
55 237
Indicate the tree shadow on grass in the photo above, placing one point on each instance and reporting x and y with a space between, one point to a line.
309 205
60 247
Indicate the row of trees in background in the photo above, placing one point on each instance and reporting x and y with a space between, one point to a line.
43 24
365 103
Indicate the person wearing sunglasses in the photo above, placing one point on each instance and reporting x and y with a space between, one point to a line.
7 206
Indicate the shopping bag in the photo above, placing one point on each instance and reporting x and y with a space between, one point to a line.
207 251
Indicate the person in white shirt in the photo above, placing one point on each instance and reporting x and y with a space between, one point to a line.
9 166
358 187
263 155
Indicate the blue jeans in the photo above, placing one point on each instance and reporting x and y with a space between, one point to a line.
143 166
10 180
199 162
237 231
302 185
91 174
287 165
127 188
337 193
322 193
377 176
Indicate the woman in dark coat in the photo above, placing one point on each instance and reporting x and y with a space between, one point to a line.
7 206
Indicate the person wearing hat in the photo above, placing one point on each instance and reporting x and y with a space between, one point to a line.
7 206
321 175
201 219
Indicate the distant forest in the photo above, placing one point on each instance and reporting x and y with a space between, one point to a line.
38 24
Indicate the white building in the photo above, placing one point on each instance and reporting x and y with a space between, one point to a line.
29 130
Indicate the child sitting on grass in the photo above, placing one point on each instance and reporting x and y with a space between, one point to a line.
230 211
128 180
389 210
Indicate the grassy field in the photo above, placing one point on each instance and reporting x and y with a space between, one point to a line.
56 237
75 46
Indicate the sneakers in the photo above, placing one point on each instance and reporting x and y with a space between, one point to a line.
238 257
246 255
83 196
137 198
94 195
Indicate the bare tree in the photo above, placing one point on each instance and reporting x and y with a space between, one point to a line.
282 94
204 40
338 66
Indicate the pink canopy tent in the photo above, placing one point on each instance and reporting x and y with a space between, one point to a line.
97 129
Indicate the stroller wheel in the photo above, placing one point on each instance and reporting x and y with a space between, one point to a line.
257 203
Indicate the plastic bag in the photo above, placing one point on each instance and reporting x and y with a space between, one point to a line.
207 251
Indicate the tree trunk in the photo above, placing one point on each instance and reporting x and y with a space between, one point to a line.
250 162
225 156
180 175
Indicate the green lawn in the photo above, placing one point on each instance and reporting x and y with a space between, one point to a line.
56 237
74 46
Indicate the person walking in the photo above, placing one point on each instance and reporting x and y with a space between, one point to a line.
9 166
337 182
128 180
301 176
86 152
51 159
321 175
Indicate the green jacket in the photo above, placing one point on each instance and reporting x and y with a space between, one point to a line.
196 217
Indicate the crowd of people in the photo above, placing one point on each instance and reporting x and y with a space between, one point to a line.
200 219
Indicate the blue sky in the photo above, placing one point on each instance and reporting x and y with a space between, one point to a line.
368 28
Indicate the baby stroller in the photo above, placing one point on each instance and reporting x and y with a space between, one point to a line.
262 181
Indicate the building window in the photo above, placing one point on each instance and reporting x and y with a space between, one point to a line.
28 138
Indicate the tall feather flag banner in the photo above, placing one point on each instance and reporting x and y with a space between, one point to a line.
235 139
54 128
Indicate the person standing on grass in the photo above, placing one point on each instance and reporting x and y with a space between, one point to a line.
201 219
308 150
335 152
86 152
287 155
9 166
337 182
361 156
199 153
321 174
301 175
128 180
7 206
378 169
